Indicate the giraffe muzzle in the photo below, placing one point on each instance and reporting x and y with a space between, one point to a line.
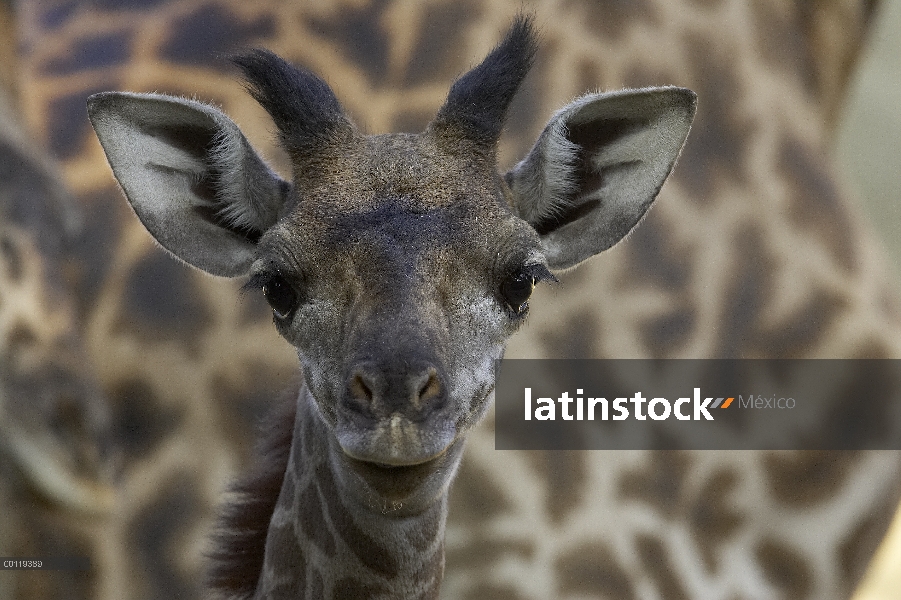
395 412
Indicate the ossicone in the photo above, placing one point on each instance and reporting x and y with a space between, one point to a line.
476 106
303 106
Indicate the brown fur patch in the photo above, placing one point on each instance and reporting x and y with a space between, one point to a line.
660 568
243 524
800 479
592 570
784 568
817 205
661 484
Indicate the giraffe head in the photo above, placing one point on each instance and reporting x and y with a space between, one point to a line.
397 265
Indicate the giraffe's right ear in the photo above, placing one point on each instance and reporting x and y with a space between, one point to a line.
191 177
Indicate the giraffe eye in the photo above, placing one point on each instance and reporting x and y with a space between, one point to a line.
280 296
516 290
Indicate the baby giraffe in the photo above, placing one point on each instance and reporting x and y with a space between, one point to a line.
398 266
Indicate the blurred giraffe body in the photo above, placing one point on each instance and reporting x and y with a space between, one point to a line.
752 249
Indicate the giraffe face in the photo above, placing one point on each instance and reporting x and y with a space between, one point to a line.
398 273
397 265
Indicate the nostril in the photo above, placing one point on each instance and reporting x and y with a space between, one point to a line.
430 389
360 389
383 389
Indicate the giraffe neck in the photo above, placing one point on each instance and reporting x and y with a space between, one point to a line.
349 530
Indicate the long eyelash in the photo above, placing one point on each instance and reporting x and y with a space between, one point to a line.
539 272
257 281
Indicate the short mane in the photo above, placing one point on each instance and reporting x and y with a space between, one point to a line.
239 541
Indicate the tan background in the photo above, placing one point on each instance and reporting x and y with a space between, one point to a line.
869 148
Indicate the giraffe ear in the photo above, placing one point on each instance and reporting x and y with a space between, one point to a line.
191 177
597 167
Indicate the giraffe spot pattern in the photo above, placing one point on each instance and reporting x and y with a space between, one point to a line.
30 202
590 75
816 204
574 338
94 249
654 258
130 5
494 592
659 567
858 546
288 562
592 570
435 57
412 121
311 519
743 304
708 511
873 348
368 550
140 421
803 328
854 427
484 550
357 30
254 309
565 475
660 484
94 52
801 479
48 535
12 260
152 2
69 129
21 339
784 568
156 539
55 16
352 589
665 334
424 536
474 500
161 301
639 76
204 37
612 18
712 516
248 401
780 40
716 148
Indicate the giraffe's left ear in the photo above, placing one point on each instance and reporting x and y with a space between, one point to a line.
191 177
597 167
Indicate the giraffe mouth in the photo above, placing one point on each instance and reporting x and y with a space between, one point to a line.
396 483
379 469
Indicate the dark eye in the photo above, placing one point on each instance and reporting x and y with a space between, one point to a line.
280 296
516 290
